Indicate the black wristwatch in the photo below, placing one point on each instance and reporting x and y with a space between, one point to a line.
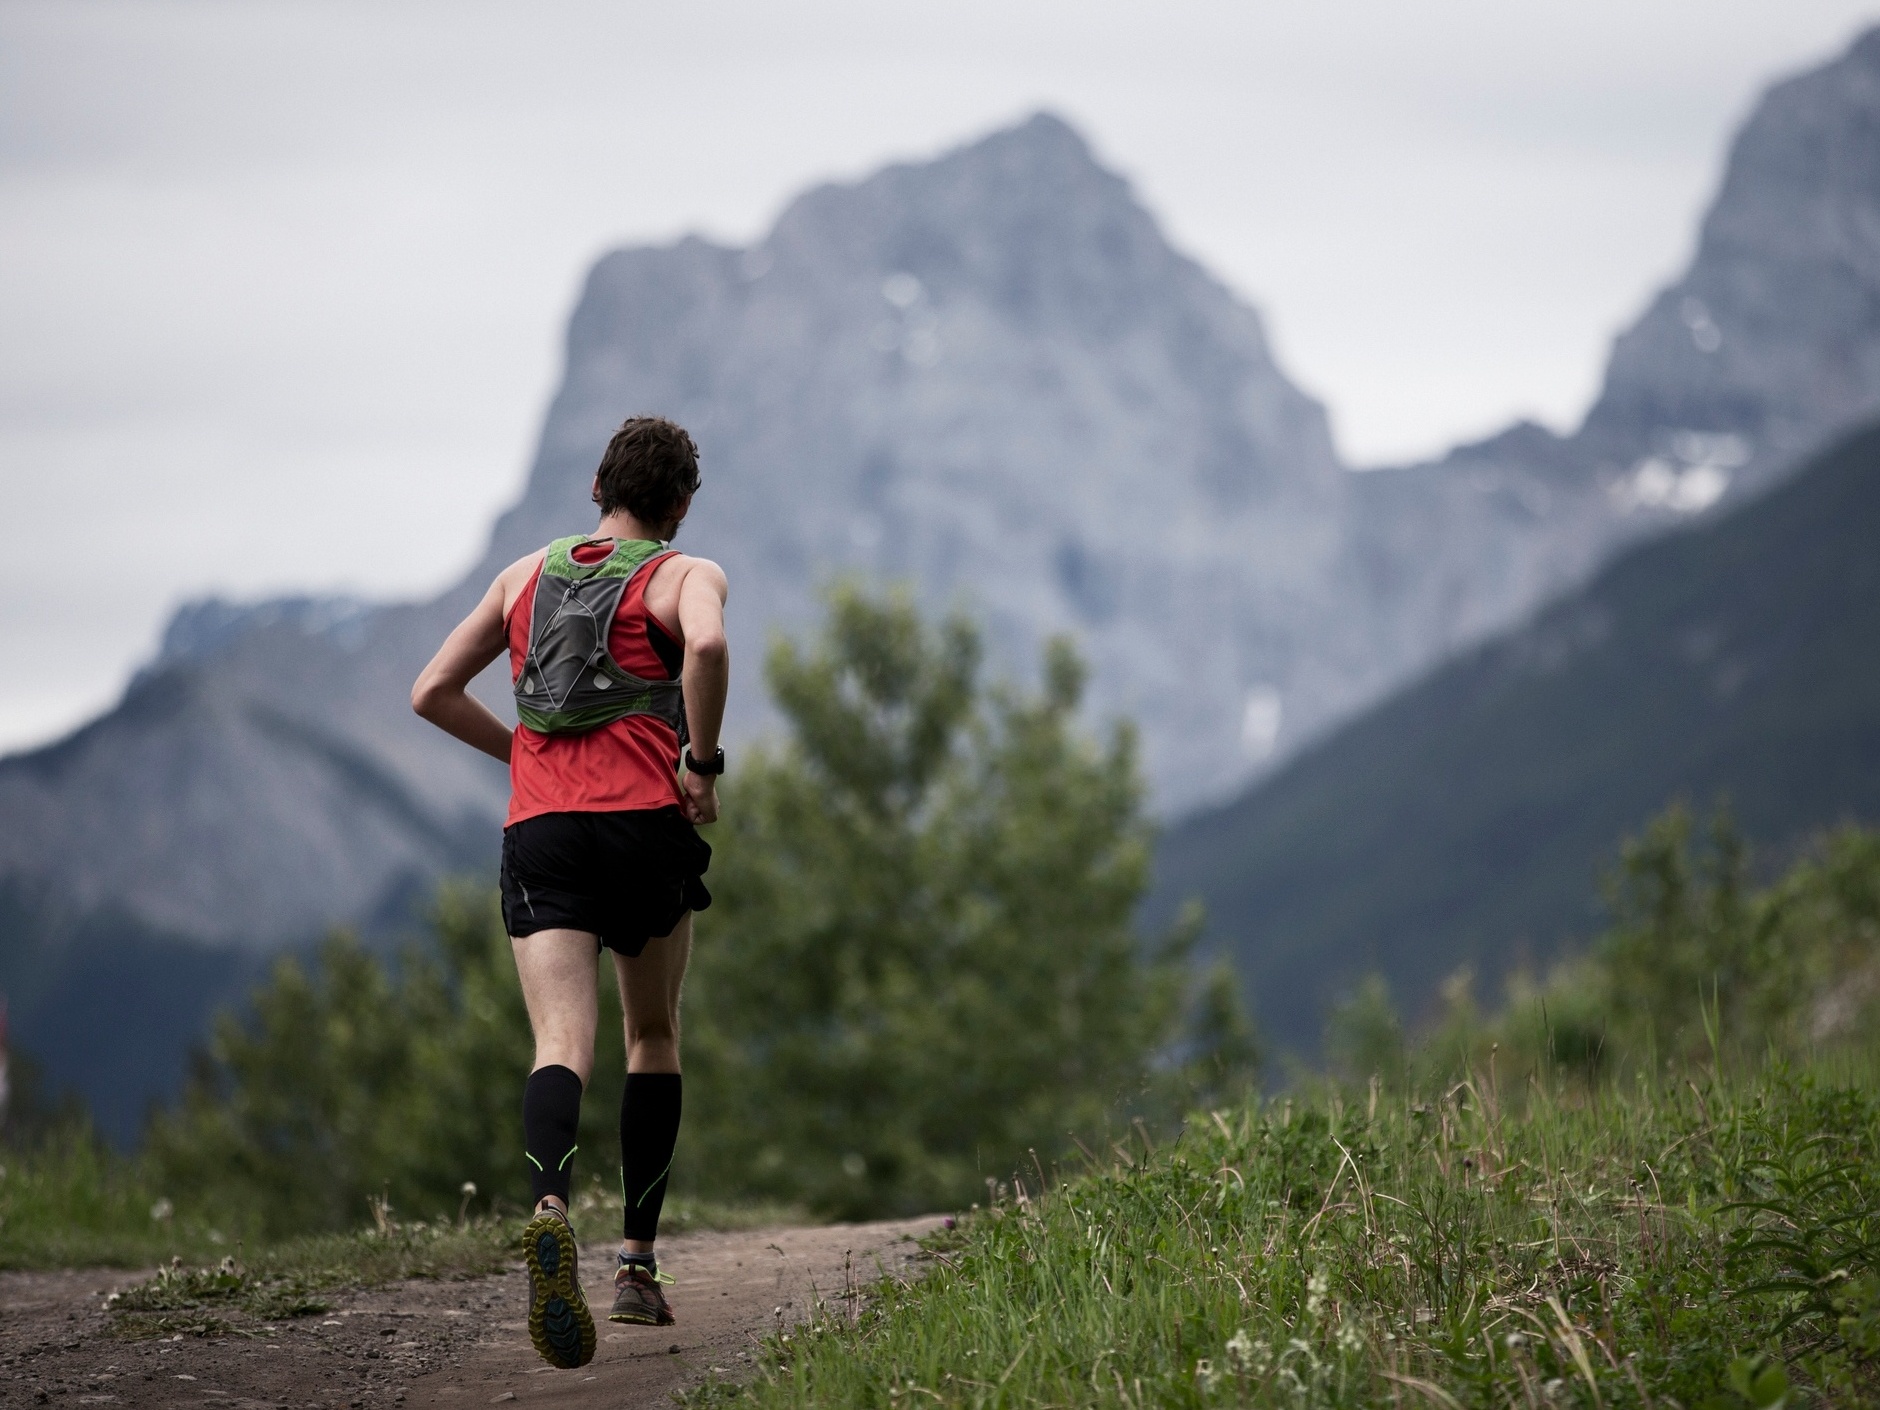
714 768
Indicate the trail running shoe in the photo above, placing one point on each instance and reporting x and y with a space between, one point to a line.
559 1322
637 1296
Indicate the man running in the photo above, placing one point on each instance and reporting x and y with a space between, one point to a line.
617 651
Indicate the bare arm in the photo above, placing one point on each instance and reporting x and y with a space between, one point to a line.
707 677
442 694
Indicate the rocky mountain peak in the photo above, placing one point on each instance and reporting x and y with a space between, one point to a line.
1773 333
970 373
1025 218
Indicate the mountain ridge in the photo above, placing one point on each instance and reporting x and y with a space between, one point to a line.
1465 822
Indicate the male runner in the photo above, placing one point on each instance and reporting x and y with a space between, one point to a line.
617 650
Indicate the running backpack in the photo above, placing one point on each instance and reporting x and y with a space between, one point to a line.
570 682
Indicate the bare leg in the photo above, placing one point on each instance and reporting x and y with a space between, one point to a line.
559 984
649 1000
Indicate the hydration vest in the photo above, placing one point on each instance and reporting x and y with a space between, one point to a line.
570 682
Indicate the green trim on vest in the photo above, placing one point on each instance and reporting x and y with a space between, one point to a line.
593 717
623 562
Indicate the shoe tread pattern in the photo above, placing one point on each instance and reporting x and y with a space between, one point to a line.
560 1326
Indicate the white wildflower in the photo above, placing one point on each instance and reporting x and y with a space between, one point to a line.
1317 1286
1247 1356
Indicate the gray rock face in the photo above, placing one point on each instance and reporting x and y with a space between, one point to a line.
255 795
991 376
1775 330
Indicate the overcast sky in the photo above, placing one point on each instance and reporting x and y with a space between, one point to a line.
282 285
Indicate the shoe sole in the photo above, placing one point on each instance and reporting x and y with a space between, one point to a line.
643 1320
643 1316
560 1325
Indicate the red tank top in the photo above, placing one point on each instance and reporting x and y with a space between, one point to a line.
630 765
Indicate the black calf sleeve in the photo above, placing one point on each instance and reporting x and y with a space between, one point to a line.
551 1113
649 1129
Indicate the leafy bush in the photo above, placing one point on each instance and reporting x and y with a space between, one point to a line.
353 1081
1698 959
1699 967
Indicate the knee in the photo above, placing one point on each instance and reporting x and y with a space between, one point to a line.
663 1030
577 1057
653 1047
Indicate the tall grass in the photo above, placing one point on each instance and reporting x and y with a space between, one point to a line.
68 1200
1709 1243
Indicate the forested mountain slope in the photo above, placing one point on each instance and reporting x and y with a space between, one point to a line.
1466 821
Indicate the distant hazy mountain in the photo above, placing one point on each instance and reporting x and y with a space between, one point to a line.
1466 821
991 375
1766 347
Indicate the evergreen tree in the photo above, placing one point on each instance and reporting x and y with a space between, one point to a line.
922 964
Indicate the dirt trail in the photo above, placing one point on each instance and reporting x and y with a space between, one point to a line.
457 1344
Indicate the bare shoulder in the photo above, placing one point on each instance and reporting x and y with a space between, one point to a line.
708 574
681 571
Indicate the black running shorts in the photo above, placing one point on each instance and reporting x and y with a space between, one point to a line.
626 877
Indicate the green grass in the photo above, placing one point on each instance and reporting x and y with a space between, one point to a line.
293 1279
1710 1244
69 1201
596 1213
